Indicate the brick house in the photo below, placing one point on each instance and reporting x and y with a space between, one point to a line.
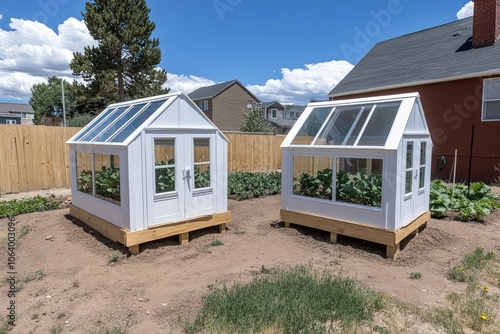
456 69
224 103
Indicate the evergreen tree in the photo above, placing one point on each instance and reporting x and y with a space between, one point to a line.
123 65
46 99
253 122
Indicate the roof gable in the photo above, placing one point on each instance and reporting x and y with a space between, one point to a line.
6 107
442 53
209 92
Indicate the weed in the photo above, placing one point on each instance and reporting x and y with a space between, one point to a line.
295 300
4 326
40 292
24 230
61 315
476 260
216 243
35 276
415 275
115 257
76 284
56 329
34 316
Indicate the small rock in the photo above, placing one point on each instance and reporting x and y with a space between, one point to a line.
49 237
147 312
66 322
49 296
140 299
164 304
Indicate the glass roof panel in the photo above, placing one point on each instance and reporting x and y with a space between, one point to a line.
103 124
95 122
104 136
379 124
312 126
344 125
141 117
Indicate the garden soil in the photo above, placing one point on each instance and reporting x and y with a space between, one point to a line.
162 288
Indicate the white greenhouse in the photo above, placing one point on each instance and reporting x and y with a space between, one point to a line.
148 169
359 168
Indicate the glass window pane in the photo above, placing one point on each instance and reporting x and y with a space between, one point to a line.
312 176
380 124
142 116
164 165
409 155
84 172
201 163
344 122
107 177
423 149
421 183
492 110
103 124
492 90
359 181
118 122
311 126
95 122
408 182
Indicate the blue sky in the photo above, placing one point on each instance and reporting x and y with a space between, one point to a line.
289 51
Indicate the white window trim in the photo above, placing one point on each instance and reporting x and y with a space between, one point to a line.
205 104
11 121
275 111
483 118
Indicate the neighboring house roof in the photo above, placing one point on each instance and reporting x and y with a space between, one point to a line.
284 123
265 105
442 53
294 108
6 107
6 114
210 92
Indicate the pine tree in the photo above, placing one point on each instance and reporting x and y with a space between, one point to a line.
123 65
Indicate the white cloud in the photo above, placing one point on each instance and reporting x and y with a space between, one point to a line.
1 17
299 85
466 11
30 52
186 83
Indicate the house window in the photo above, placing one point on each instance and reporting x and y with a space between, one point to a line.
491 100
11 121
274 113
205 105
292 114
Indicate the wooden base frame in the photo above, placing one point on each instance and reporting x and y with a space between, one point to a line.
132 240
382 236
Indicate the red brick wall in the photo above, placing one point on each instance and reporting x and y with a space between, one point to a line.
451 108
486 28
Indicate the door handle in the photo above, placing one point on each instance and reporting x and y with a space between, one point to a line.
186 173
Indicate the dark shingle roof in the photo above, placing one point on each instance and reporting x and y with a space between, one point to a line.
214 90
441 53
6 107
265 105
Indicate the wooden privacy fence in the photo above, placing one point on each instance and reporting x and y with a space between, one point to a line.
36 157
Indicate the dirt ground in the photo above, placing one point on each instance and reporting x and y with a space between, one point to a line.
160 289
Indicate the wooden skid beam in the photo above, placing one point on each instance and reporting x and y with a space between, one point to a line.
132 240
389 238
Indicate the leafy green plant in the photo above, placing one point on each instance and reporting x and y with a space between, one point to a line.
107 182
165 177
415 275
476 260
216 243
85 181
243 185
16 207
464 206
202 179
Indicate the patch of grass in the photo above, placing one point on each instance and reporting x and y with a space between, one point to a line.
61 315
472 262
216 243
35 276
56 329
415 275
40 292
292 300
75 284
34 316
4 326
16 207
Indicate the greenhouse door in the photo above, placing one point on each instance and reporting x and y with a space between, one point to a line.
415 169
179 180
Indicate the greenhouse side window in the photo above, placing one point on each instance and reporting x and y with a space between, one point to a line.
99 175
